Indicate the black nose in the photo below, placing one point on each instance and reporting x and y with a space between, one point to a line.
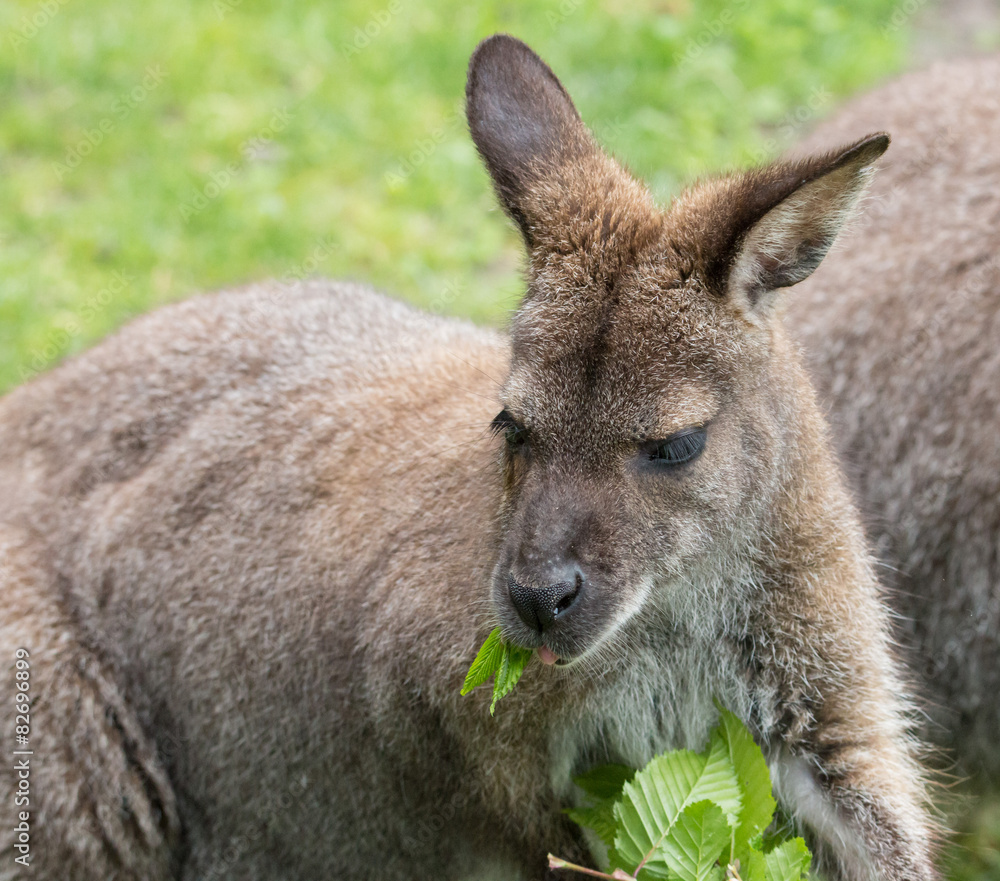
540 606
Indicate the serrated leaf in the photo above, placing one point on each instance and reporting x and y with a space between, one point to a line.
742 852
754 780
654 827
720 781
653 800
695 842
654 870
514 662
515 659
753 867
487 662
788 861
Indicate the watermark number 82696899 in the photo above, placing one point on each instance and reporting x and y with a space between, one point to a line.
22 756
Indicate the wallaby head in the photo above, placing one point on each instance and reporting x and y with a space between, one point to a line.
653 410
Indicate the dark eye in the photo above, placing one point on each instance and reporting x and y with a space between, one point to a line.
679 448
505 424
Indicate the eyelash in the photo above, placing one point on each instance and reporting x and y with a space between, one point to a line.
681 448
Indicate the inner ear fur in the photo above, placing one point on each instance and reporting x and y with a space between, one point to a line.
783 219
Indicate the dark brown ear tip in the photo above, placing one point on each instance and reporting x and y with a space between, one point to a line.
517 109
500 43
499 51
868 149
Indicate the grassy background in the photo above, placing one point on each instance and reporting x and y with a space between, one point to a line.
148 151
151 150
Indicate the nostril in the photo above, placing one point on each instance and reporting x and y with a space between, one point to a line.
561 597
566 593
565 603
571 592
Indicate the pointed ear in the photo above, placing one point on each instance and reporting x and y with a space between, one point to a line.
522 122
795 212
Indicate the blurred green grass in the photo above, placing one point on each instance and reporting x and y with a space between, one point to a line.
973 854
148 151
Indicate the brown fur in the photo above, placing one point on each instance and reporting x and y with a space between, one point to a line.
902 331
266 530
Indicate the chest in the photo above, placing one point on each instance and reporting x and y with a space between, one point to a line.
664 697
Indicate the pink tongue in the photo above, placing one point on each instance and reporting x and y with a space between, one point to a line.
546 655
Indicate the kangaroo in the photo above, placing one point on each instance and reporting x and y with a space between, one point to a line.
253 541
902 331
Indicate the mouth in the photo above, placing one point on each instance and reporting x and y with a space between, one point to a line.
562 648
547 656
550 658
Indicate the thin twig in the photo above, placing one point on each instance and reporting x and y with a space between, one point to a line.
559 863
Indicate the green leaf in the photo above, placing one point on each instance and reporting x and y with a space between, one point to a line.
599 817
605 781
497 657
602 785
753 867
487 662
754 780
719 779
696 840
782 829
655 798
652 801
788 861
686 815
515 659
